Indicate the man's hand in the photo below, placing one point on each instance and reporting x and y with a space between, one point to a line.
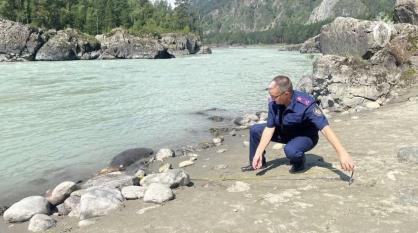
257 161
347 163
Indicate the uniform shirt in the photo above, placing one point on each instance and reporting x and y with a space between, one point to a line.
302 117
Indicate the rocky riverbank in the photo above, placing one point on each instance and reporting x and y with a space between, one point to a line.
137 173
196 189
19 42
364 64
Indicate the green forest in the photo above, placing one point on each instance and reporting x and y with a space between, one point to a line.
101 16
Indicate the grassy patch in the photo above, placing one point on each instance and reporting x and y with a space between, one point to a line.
408 75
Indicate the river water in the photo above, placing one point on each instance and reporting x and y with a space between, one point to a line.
65 120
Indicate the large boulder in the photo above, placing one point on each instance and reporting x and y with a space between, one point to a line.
71 204
69 44
406 11
99 201
205 50
353 37
181 44
26 208
158 193
19 42
131 156
112 180
120 44
341 83
404 43
41 223
61 192
171 178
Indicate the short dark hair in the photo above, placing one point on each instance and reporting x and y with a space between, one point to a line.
283 83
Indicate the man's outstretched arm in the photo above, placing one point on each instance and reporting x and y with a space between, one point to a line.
264 141
346 161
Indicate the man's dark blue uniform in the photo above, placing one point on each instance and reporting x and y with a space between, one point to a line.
296 125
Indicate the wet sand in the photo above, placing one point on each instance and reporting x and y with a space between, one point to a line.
383 197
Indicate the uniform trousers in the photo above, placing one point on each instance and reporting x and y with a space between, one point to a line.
295 146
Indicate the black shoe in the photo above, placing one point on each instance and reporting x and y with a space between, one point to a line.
298 166
250 168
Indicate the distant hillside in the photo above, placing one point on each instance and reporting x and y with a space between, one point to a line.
291 21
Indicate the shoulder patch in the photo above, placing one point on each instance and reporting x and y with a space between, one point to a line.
303 100
317 111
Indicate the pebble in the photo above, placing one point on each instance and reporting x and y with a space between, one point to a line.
218 141
221 151
239 186
408 154
140 174
337 120
163 154
165 167
233 133
373 105
186 163
246 143
85 223
220 167
354 117
192 155
143 210
413 99
193 158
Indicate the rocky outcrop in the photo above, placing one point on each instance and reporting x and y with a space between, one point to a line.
329 9
406 11
180 44
404 44
312 45
69 44
341 83
120 44
205 50
364 63
353 37
19 42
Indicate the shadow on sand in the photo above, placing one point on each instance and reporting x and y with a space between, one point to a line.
312 160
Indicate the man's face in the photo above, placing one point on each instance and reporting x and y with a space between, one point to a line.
281 98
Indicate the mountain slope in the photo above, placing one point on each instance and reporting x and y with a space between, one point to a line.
276 16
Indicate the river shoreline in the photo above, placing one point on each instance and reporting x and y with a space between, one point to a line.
80 174
380 179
